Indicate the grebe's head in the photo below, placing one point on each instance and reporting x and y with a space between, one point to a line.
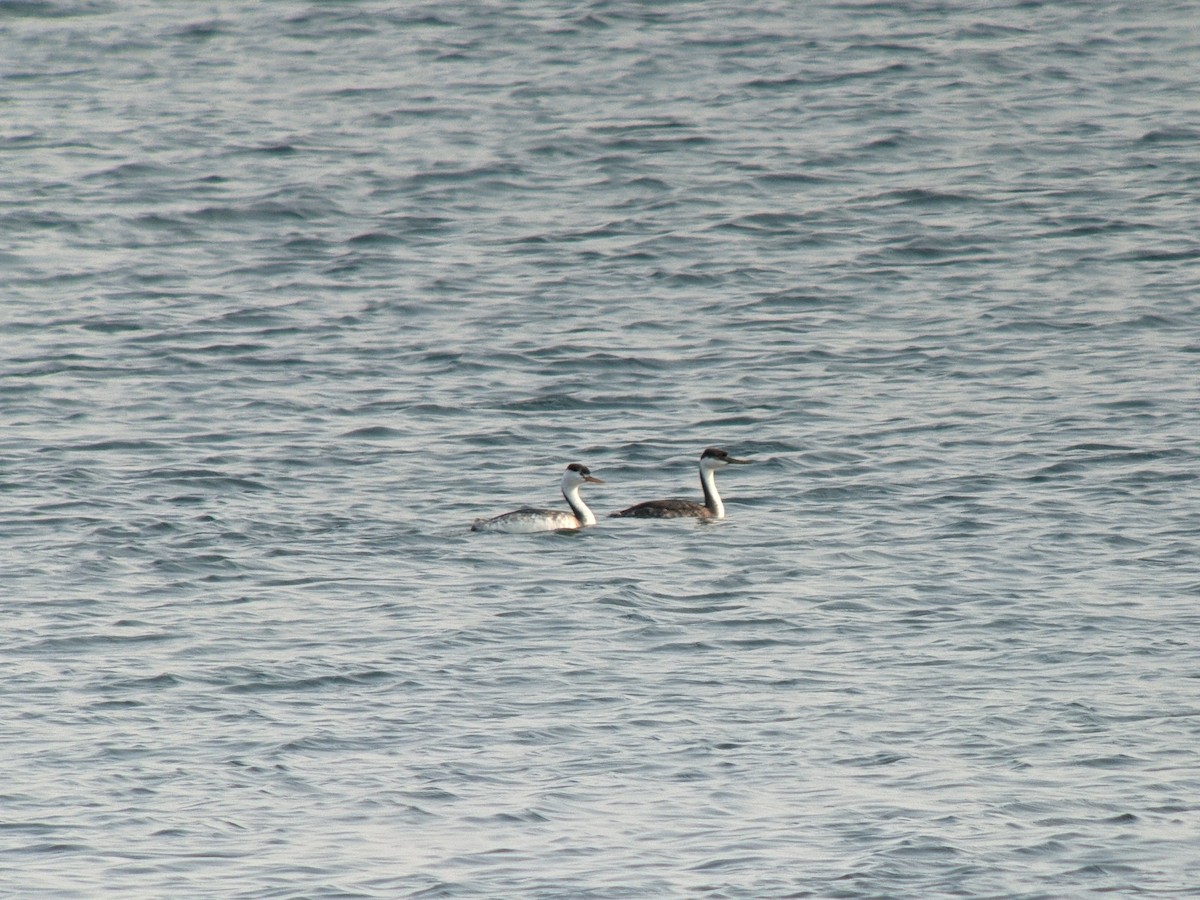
715 458
577 473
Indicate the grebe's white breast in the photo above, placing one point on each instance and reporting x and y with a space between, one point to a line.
529 519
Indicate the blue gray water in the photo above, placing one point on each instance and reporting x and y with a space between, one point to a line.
293 292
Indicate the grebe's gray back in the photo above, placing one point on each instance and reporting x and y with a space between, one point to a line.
712 507
528 519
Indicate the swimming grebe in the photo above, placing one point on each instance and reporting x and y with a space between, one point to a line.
528 520
712 507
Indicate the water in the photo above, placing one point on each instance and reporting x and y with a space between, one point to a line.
294 292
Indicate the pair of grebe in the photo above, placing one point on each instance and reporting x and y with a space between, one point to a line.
528 519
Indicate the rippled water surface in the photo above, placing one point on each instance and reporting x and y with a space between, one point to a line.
294 292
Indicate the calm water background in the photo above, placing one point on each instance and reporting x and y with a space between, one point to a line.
293 292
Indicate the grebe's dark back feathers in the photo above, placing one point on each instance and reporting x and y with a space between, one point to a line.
664 509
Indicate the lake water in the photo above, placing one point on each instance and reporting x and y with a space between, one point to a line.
293 292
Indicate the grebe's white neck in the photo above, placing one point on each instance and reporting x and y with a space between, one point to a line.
571 493
712 500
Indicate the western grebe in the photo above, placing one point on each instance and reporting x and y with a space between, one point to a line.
712 507
528 520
